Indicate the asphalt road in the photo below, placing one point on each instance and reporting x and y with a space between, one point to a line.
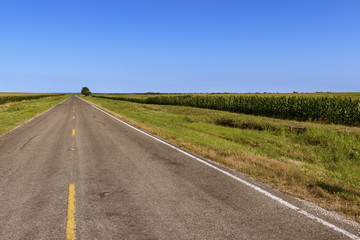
130 186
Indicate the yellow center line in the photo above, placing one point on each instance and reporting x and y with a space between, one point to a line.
70 224
73 117
73 132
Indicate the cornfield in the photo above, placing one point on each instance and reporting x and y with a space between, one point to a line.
7 99
336 110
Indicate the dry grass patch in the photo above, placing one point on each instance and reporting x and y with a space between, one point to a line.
288 177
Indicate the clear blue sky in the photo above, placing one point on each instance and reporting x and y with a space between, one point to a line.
180 45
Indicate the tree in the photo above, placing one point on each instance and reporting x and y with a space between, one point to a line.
85 91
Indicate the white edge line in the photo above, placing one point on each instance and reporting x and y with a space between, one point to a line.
32 118
260 190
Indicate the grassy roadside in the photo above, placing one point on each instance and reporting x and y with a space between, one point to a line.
15 113
315 162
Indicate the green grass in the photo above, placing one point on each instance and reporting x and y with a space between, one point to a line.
15 113
316 162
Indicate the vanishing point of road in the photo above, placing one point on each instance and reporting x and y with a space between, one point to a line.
75 172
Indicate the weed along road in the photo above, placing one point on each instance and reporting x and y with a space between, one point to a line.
76 172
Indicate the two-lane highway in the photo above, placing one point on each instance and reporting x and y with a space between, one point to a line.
77 173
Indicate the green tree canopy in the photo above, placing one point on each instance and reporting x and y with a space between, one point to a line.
85 91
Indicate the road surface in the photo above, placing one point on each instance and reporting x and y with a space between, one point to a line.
77 173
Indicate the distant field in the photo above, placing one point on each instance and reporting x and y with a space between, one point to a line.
16 97
317 94
338 108
21 94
